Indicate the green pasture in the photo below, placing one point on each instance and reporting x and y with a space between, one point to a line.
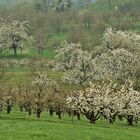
20 126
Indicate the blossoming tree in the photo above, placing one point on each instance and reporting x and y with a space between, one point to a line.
41 84
13 33
76 63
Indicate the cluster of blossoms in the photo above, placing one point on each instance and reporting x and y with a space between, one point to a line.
108 101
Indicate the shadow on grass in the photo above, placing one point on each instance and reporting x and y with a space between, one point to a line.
18 57
100 124
47 54
46 120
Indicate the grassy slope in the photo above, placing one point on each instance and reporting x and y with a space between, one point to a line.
20 126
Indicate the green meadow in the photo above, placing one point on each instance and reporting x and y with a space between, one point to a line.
20 126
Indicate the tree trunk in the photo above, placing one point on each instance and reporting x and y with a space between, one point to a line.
114 118
59 114
30 112
92 120
1 108
136 120
120 117
69 112
21 108
78 116
130 120
38 113
8 109
91 117
51 112
111 120
15 51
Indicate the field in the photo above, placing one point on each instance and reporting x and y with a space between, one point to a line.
38 72
20 126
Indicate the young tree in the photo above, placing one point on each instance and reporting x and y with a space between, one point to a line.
41 84
40 41
8 98
25 98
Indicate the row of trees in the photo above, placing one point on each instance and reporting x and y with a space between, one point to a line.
104 100
107 101
39 95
